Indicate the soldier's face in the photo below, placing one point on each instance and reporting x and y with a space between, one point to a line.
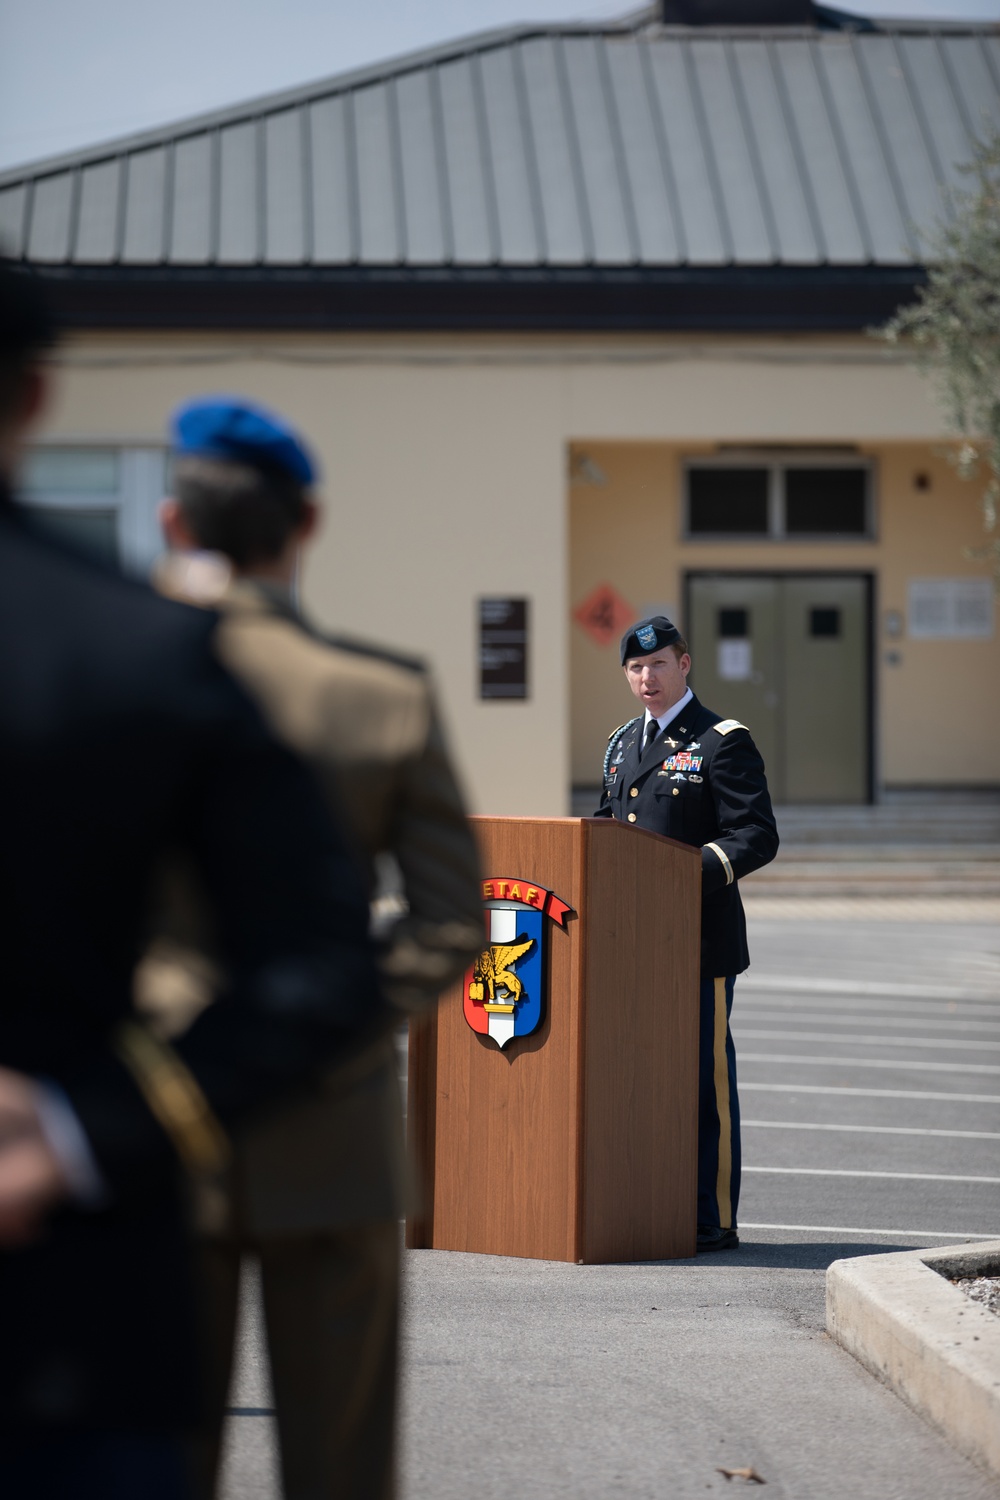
659 679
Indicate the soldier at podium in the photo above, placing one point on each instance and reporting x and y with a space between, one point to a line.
681 770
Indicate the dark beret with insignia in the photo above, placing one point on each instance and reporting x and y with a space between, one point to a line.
649 635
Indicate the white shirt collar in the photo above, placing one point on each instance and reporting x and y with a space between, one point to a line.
671 713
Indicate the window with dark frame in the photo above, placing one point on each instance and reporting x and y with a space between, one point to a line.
727 501
781 499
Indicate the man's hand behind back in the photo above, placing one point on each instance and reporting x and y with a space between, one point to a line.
31 1177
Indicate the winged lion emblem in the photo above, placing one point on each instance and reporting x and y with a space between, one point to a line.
493 971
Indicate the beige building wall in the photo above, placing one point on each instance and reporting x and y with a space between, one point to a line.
628 533
446 461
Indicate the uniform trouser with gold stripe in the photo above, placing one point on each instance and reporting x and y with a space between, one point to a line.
331 1311
718 1109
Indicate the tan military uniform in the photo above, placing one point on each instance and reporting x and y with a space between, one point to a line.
318 1189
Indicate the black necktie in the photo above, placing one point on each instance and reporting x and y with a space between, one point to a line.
652 730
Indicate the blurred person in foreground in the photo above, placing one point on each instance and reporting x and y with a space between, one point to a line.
121 737
320 1189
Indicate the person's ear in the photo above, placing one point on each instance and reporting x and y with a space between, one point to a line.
685 664
307 528
34 395
176 532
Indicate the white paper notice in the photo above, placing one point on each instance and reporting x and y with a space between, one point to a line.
735 660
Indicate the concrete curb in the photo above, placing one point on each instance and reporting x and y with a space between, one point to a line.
902 1319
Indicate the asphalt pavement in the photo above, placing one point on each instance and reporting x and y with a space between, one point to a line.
869 1063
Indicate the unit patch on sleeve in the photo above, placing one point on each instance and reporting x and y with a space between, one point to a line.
726 726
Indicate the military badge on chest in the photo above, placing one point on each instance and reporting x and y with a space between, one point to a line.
682 766
503 992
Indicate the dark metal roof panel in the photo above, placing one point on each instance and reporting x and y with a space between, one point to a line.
333 180
98 213
380 233
549 147
650 184
193 201
600 165
727 129
286 225
518 205
782 173
13 203
143 235
899 121
704 229
466 165
239 219
427 241
51 214
566 231
973 64
874 196
819 129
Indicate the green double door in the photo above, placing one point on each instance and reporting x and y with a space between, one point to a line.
789 655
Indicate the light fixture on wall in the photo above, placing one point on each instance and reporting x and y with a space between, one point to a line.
583 470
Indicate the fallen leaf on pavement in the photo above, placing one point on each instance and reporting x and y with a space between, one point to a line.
750 1475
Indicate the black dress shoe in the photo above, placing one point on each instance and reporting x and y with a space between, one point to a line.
711 1237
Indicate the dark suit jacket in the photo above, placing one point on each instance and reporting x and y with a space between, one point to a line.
121 737
701 782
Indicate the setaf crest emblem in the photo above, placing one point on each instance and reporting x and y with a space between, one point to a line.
504 988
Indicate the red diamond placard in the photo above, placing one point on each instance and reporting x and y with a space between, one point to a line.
604 615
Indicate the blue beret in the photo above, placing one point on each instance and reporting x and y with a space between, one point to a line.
652 634
228 427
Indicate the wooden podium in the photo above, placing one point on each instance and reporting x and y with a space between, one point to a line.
577 1142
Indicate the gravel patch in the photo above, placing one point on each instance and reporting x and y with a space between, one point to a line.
984 1289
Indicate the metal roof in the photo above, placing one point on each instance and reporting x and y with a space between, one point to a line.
554 147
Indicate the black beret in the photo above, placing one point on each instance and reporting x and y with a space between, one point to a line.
649 635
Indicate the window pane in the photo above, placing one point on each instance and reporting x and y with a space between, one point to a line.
94 533
734 624
70 471
727 500
825 502
824 621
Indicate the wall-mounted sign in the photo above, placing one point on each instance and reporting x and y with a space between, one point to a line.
503 989
503 648
950 608
605 615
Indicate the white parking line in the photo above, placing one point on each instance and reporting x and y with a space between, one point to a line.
830 1088
894 1176
805 1017
804 985
966 1135
869 1062
911 1234
868 1041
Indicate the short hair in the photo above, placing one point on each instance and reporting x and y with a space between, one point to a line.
245 511
27 328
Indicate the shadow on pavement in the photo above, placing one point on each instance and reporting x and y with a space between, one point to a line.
793 1255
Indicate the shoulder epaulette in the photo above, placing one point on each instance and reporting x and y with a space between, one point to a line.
726 726
613 739
378 653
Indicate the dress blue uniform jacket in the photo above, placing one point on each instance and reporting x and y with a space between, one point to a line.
122 739
701 782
